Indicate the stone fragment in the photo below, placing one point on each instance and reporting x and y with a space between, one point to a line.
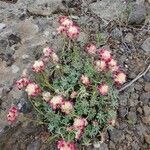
45 7
146 45
137 14
116 135
147 138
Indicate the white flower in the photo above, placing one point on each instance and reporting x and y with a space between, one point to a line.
46 96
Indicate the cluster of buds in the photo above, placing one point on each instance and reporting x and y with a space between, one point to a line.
68 28
103 88
33 89
49 53
22 83
105 55
85 80
63 145
79 125
67 107
12 114
38 66
91 49
112 122
56 102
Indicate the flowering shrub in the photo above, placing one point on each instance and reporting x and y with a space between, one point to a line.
76 95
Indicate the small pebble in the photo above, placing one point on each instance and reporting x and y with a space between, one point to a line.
2 26
15 69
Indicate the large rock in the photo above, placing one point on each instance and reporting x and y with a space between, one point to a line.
45 7
107 9
147 138
146 110
137 14
26 29
146 45
116 135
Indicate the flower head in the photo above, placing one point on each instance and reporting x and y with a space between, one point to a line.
112 65
103 88
79 123
67 107
105 55
120 77
67 22
73 31
21 83
47 51
56 102
12 114
100 65
46 96
63 145
78 134
38 66
33 89
62 19
112 122
85 80
91 49
61 29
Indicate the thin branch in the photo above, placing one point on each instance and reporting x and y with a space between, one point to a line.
138 76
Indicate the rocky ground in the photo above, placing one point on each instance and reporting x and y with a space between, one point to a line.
26 26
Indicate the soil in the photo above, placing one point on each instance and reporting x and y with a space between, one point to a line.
18 48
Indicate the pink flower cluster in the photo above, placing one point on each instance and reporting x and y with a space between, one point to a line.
57 102
68 27
22 83
104 63
91 49
78 125
85 80
33 89
103 88
30 87
63 145
12 114
49 53
38 66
